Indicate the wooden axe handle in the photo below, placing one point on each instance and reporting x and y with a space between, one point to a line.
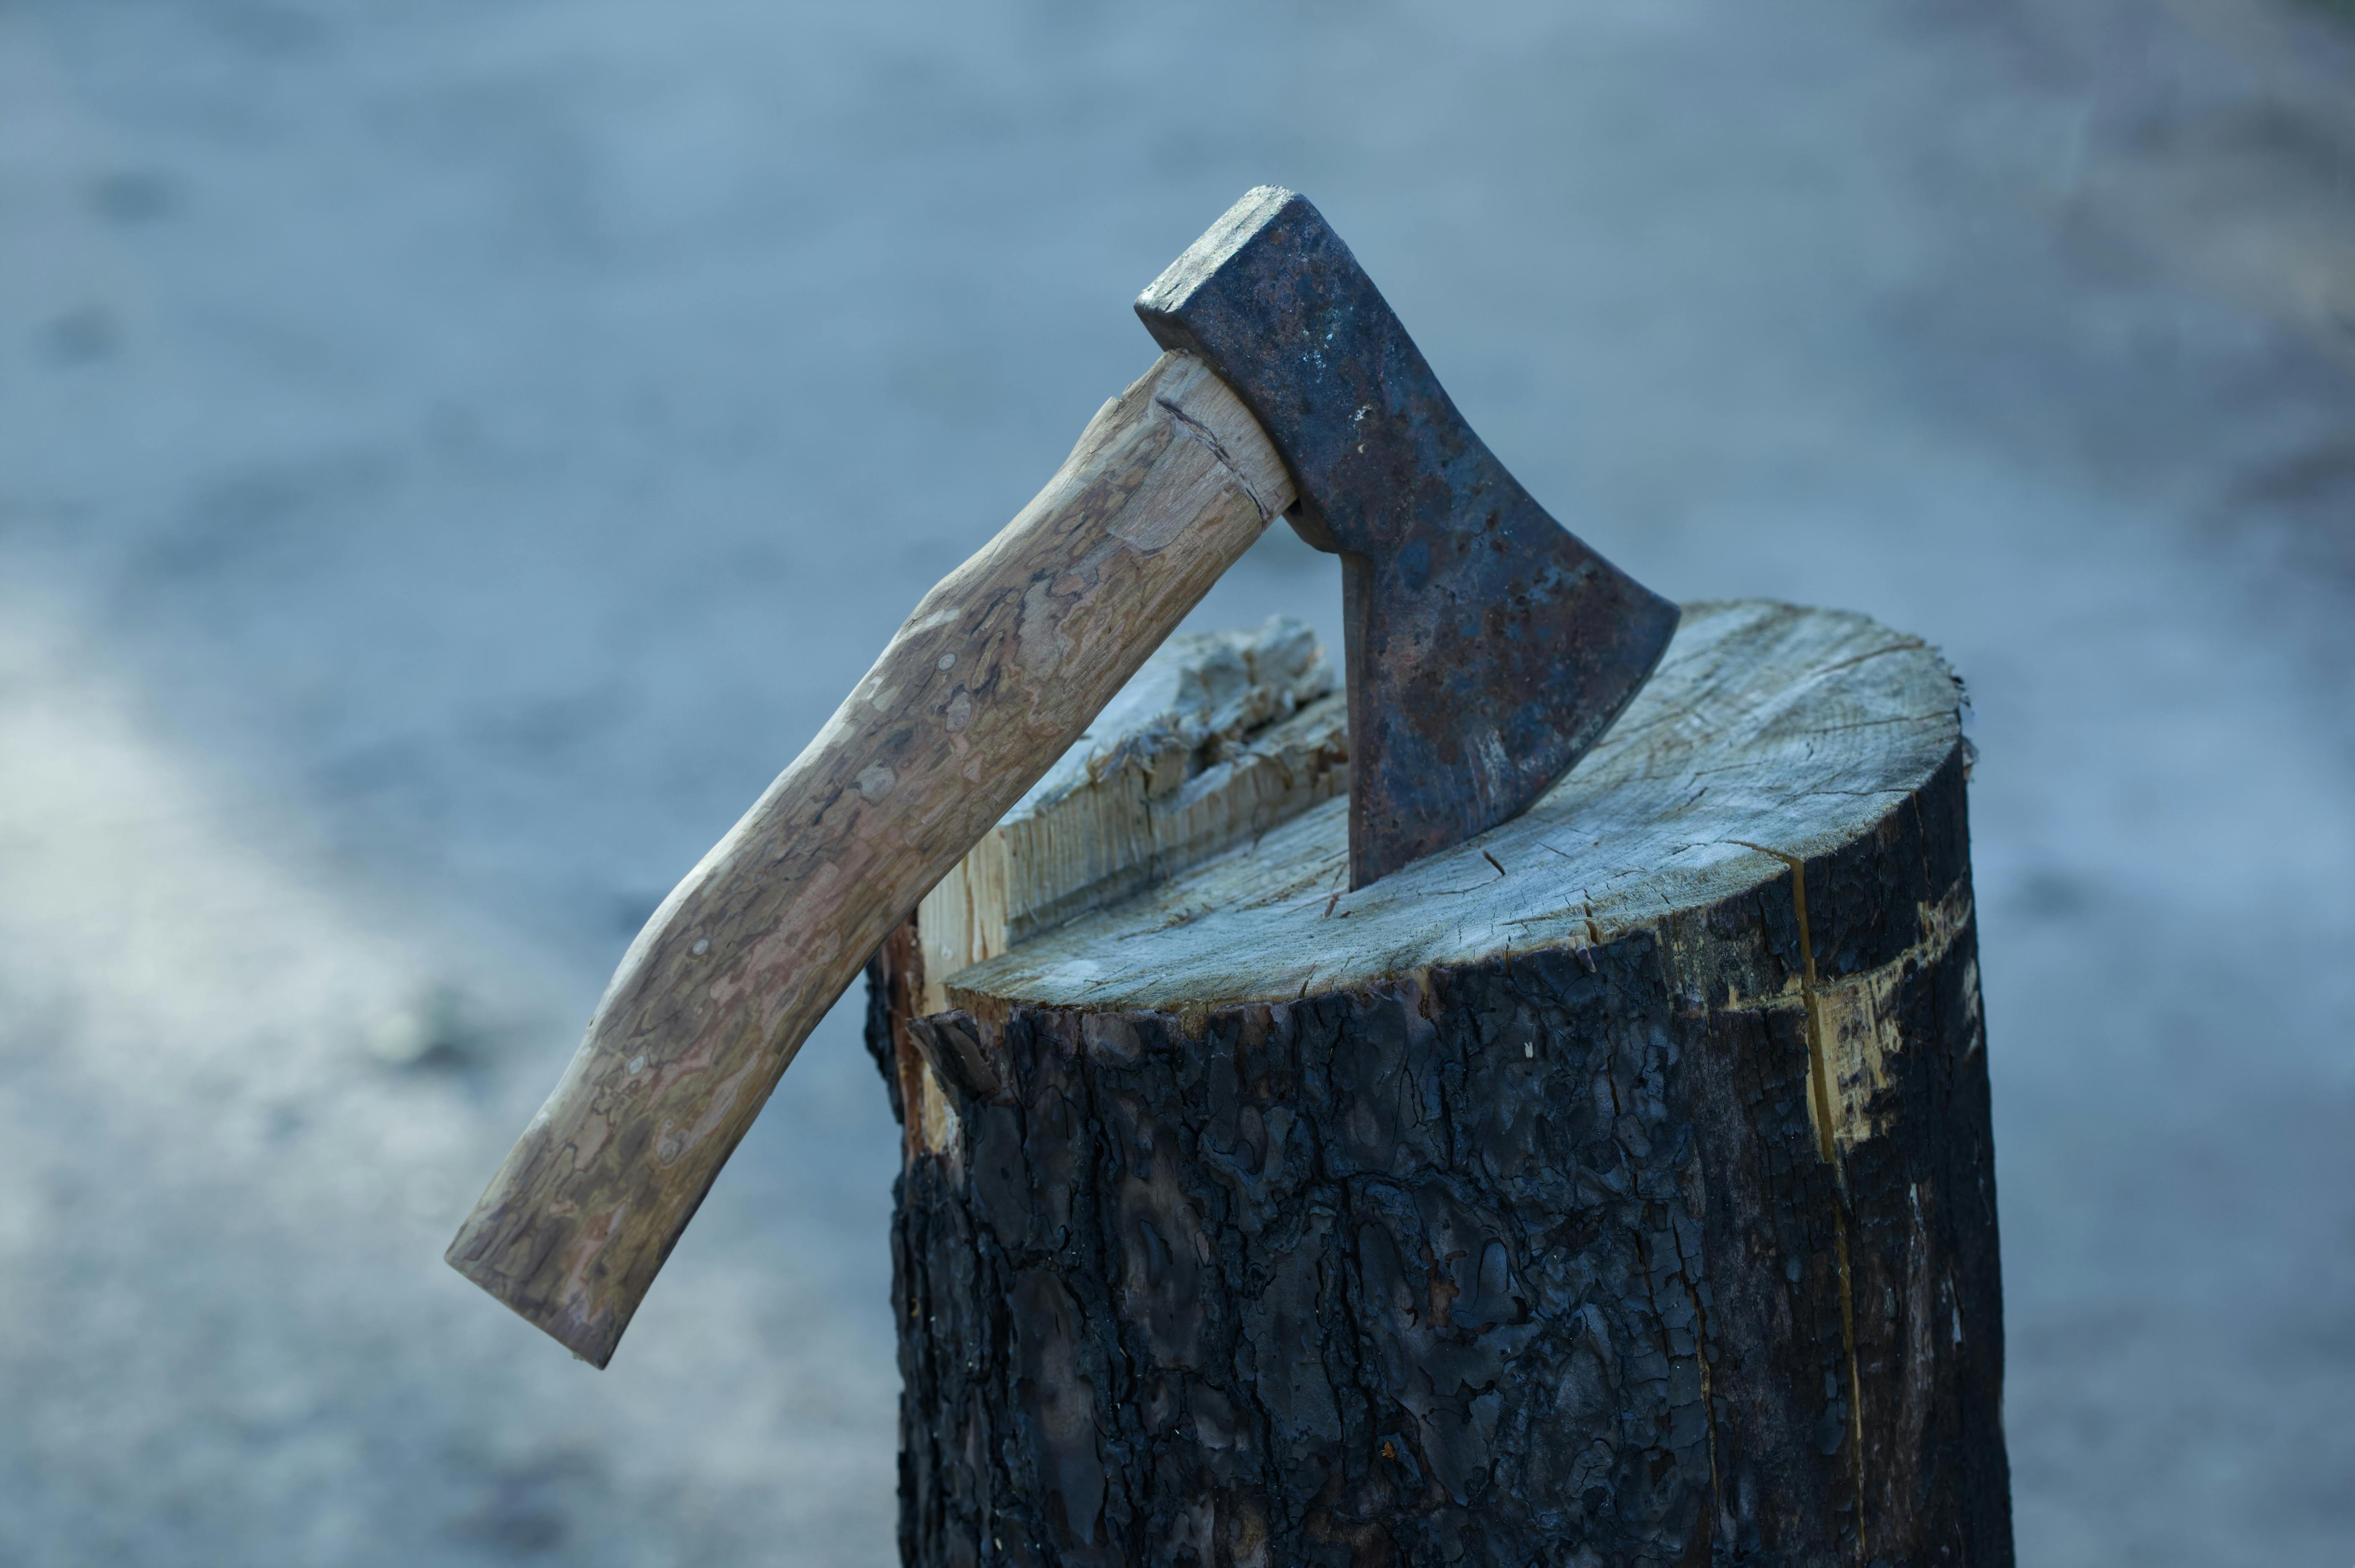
999 670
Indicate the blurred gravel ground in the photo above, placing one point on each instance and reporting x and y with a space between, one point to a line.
452 455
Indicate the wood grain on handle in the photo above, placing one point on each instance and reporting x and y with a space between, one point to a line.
998 671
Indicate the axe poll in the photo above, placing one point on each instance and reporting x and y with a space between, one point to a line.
1486 649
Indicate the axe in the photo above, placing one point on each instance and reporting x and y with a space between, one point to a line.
1486 647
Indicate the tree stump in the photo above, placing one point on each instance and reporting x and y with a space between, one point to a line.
1615 1189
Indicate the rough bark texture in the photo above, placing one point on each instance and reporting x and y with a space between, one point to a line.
1676 1246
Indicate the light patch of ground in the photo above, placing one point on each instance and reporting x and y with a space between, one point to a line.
238 1107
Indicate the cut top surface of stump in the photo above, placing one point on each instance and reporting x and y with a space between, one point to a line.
1770 733
1220 738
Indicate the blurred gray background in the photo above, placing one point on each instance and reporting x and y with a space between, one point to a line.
453 453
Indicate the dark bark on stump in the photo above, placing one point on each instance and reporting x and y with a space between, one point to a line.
1676 1249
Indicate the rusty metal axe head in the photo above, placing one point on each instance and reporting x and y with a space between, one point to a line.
1488 647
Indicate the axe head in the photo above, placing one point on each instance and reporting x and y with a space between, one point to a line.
1488 648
